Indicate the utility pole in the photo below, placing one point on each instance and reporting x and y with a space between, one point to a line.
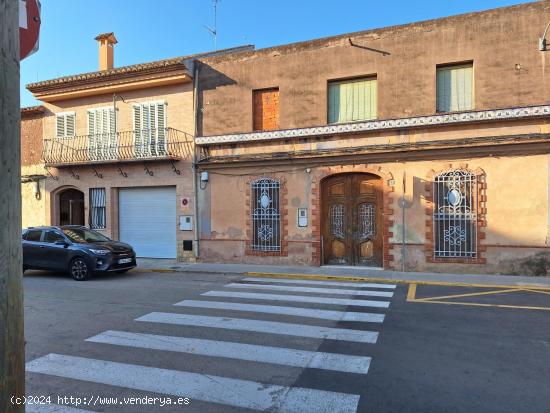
12 354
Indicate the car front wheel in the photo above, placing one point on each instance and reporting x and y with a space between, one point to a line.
79 269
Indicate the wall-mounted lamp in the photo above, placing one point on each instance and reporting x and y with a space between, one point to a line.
542 40
37 193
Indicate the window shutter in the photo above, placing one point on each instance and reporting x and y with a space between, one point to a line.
161 125
91 122
112 123
352 100
92 139
455 88
59 126
138 142
70 124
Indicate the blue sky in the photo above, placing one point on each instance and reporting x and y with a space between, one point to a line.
155 29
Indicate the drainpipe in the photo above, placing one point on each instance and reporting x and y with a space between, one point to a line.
403 206
194 165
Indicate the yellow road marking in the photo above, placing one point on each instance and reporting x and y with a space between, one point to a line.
412 292
387 280
524 307
443 297
536 291
411 297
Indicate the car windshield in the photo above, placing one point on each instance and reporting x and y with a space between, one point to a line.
84 235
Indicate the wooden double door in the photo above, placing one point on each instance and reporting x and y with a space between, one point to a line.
352 220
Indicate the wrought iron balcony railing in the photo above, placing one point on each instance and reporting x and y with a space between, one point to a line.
137 145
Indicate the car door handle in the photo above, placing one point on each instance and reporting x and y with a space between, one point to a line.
42 246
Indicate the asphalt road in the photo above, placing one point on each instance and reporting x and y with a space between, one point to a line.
343 348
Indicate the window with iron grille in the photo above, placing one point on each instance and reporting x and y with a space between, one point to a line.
455 215
266 217
97 208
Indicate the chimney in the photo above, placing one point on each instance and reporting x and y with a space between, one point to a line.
107 43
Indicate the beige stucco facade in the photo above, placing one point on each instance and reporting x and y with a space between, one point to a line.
515 207
132 174
501 142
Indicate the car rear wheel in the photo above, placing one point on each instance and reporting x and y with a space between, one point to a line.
79 269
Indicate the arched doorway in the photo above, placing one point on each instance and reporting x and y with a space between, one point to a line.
351 223
71 207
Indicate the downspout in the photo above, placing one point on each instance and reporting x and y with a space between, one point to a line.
194 165
404 233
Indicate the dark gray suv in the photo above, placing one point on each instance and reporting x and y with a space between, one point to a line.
75 249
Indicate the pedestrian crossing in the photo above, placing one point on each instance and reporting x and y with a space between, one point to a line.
310 311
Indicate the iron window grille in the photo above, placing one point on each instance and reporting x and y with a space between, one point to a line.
266 217
97 208
455 215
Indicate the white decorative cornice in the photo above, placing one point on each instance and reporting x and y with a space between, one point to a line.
373 125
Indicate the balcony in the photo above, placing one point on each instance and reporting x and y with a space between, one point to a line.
129 146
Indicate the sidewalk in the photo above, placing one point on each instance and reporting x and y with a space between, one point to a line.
160 265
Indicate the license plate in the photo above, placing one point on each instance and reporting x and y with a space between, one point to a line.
124 260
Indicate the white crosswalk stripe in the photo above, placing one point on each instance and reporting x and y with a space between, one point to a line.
299 299
270 327
233 391
313 290
228 391
52 408
227 349
291 311
320 282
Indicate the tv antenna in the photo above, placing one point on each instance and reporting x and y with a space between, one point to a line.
214 30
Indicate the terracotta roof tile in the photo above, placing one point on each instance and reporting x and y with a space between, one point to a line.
124 70
32 110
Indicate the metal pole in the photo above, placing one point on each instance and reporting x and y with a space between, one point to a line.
12 354
194 165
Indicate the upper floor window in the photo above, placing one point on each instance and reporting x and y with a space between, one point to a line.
65 124
266 216
265 103
352 100
102 140
149 129
455 214
455 88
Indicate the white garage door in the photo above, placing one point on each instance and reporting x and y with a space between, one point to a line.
147 220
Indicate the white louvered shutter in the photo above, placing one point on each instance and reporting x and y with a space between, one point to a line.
161 129
138 135
59 126
65 125
92 137
150 129
101 133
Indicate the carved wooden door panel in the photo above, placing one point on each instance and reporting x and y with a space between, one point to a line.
367 224
352 221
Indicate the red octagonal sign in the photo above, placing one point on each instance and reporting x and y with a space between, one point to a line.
29 27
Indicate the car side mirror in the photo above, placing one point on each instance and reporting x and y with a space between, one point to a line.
61 242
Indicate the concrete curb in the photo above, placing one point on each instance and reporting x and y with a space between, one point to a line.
481 281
